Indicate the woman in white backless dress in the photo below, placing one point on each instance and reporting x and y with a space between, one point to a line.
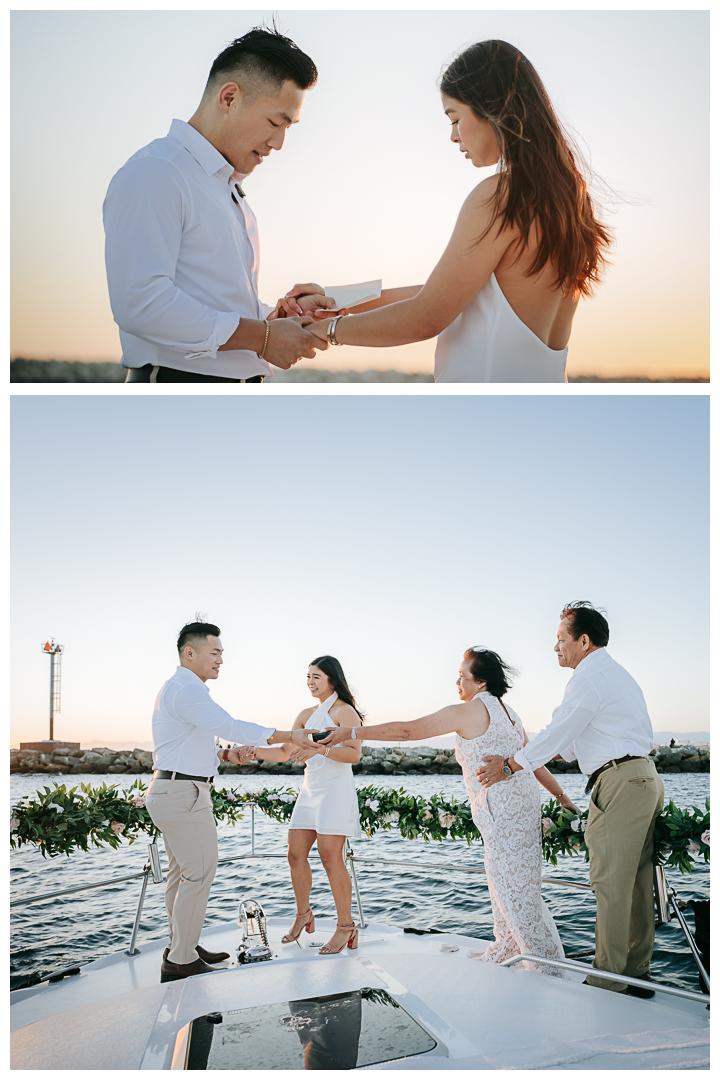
507 815
326 810
526 246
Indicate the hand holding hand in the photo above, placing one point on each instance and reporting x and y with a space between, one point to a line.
303 300
240 754
318 328
492 771
301 754
337 735
300 736
289 341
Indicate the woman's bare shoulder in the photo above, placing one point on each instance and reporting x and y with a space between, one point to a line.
302 717
344 715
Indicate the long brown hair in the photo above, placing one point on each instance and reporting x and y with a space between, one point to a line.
336 676
542 183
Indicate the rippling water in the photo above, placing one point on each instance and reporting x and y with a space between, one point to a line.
77 929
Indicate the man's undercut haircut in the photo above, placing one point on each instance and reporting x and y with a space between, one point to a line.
196 633
260 62
583 618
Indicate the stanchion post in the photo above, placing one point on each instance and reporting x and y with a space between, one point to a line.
132 951
350 860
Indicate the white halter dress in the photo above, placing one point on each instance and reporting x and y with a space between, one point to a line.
508 817
327 802
488 342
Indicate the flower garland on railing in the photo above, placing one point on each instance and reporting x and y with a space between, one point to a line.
62 820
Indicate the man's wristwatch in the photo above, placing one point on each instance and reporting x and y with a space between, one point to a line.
506 767
226 754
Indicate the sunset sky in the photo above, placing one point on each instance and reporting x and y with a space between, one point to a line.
368 185
391 531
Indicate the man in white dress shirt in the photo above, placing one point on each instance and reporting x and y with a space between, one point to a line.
181 250
603 722
185 723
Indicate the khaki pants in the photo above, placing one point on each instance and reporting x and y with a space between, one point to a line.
623 806
182 811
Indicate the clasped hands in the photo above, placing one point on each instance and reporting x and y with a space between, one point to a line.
238 755
309 303
303 746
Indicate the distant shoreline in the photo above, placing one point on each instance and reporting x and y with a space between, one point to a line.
78 371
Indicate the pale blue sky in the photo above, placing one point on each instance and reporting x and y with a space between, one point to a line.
392 532
368 185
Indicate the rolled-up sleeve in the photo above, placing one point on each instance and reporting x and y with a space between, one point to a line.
194 705
143 214
578 707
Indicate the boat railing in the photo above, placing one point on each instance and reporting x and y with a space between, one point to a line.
598 973
664 898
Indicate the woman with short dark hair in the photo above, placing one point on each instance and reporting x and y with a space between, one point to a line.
526 247
508 816
326 809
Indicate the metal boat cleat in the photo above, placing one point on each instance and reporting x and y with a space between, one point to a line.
254 945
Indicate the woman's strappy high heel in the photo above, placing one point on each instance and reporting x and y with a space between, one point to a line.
351 942
309 925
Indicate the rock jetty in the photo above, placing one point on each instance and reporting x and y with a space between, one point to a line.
378 761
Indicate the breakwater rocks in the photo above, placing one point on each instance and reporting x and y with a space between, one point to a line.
382 761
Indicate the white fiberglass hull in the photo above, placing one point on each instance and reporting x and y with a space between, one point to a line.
117 1015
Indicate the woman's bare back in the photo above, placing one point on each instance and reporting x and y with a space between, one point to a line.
536 300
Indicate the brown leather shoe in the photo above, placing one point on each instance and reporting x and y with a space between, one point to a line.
638 991
208 957
169 971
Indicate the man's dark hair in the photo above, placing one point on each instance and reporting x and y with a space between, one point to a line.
259 60
583 618
193 633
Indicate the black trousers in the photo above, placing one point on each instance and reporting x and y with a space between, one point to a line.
148 373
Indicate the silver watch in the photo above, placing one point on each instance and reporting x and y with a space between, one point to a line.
352 733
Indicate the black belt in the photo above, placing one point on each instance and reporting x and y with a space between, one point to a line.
163 774
603 768
153 373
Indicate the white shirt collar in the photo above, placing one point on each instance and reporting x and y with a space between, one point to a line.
190 676
207 156
592 658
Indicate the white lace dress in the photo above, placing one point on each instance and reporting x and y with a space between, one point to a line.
508 817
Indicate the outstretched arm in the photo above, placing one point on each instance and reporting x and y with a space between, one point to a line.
462 271
426 727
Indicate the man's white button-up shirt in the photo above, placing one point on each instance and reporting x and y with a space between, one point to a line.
185 722
602 716
182 258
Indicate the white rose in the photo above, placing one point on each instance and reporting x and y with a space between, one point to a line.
374 805
272 798
54 806
446 819
575 825
288 798
547 825
230 797
427 815
583 825
706 837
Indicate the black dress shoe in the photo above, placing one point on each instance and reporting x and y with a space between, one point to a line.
208 957
169 972
638 991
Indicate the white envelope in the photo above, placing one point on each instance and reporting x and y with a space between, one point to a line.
348 296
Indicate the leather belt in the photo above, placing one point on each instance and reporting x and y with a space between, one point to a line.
592 780
163 774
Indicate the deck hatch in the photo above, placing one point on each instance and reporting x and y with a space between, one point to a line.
340 1031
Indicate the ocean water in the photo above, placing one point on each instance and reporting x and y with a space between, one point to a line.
83 927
